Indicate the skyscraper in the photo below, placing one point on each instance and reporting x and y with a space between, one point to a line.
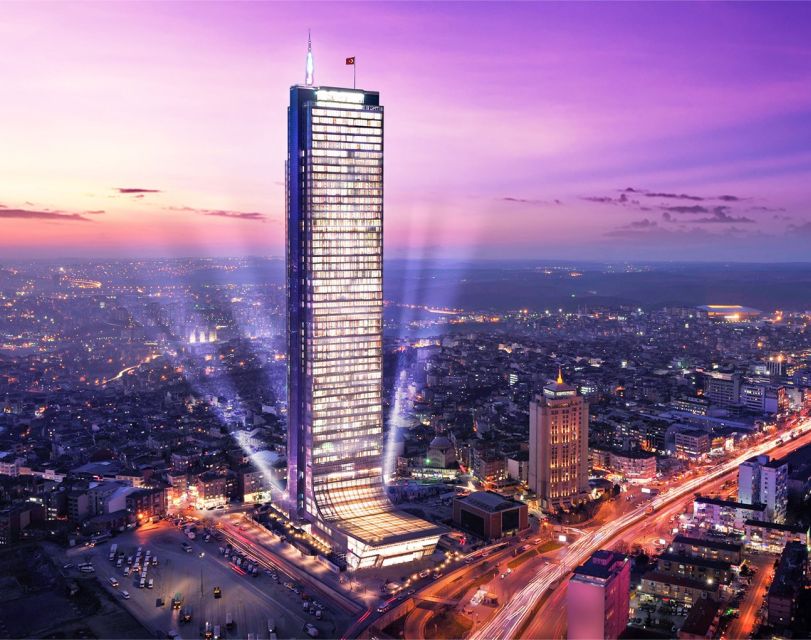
558 445
598 596
334 297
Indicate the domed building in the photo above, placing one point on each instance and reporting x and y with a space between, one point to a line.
441 453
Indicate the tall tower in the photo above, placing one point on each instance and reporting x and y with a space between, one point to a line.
335 326
558 445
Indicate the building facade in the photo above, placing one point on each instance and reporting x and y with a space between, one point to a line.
765 481
489 515
597 597
334 332
558 445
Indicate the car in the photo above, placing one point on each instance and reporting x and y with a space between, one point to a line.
202 554
217 592
150 583
68 565
126 571
159 602
113 582
125 595
311 630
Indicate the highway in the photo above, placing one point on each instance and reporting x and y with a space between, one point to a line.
511 618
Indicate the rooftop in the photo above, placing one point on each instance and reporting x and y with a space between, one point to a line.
709 544
489 501
602 564
756 506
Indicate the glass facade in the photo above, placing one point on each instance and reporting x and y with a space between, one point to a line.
335 305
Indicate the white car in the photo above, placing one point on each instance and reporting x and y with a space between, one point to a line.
125 595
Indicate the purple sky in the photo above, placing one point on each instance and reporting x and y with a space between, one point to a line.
577 130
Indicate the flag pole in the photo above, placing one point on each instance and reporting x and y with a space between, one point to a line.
354 72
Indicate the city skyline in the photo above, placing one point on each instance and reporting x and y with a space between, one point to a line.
405 320
534 131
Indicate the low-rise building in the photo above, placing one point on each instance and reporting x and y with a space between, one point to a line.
703 548
772 537
727 516
211 490
789 581
692 444
685 591
702 621
694 567
489 515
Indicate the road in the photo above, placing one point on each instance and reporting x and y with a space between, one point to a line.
551 621
256 540
744 624
512 617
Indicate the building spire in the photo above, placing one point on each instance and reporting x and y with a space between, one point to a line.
309 70
560 376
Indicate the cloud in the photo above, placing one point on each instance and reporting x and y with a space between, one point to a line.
689 209
529 200
799 229
680 196
761 209
136 190
55 216
622 200
720 216
223 213
239 215
645 223
673 196
97 212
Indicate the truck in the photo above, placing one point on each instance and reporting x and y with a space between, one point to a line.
113 549
229 620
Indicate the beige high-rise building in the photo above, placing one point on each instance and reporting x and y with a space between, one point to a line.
558 445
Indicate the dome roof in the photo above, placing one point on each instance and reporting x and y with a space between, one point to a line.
440 442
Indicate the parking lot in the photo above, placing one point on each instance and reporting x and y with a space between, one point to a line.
250 600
